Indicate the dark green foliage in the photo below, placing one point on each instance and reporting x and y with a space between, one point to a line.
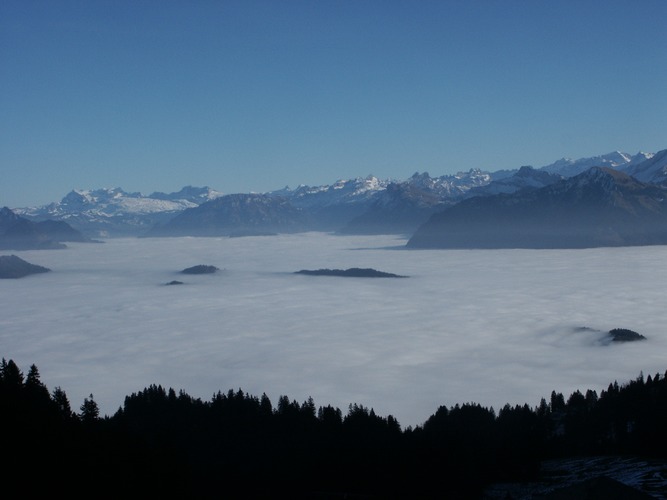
624 335
162 442
90 412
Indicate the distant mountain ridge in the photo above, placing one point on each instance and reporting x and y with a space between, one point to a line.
115 212
600 207
236 214
19 233
365 205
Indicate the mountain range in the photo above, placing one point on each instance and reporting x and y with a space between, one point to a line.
599 207
356 206
114 212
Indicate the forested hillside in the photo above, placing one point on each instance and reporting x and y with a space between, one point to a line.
162 441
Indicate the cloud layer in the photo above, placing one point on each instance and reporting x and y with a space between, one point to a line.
489 326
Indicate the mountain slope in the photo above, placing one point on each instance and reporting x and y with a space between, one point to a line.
568 167
13 267
601 207
524 178
653 169
361 205
400 208
237 214
19 233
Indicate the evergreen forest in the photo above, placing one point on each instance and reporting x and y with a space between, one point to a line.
238 445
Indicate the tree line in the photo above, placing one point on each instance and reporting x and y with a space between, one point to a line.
163 442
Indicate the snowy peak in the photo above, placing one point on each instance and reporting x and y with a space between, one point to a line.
569 168
340 192
191 194
113 211
525 178
450 186
113 202
652 169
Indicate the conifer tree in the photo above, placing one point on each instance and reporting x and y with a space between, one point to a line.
90 412
62 403
11 374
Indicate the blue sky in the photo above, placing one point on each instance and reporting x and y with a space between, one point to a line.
255 95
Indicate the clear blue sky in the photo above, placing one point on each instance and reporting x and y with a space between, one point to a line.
253 95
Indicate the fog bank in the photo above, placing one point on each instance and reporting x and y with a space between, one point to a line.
489 326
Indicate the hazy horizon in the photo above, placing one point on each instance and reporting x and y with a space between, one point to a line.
484 326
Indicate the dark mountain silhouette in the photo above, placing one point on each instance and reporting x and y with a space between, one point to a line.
60 231
12 267
600 207
236 214
19 233
7 219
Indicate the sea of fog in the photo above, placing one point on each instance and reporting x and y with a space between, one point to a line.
484 326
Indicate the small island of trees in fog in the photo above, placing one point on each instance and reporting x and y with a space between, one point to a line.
161 441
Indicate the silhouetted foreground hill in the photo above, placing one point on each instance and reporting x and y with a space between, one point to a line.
238 445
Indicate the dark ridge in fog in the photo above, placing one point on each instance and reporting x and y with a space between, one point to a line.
615 334
13 267
353 272
200 269
162 441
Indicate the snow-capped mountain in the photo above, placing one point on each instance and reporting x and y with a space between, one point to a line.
339 193
113 202
195 195
617 160
363 204
115 212
452 186
653 169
